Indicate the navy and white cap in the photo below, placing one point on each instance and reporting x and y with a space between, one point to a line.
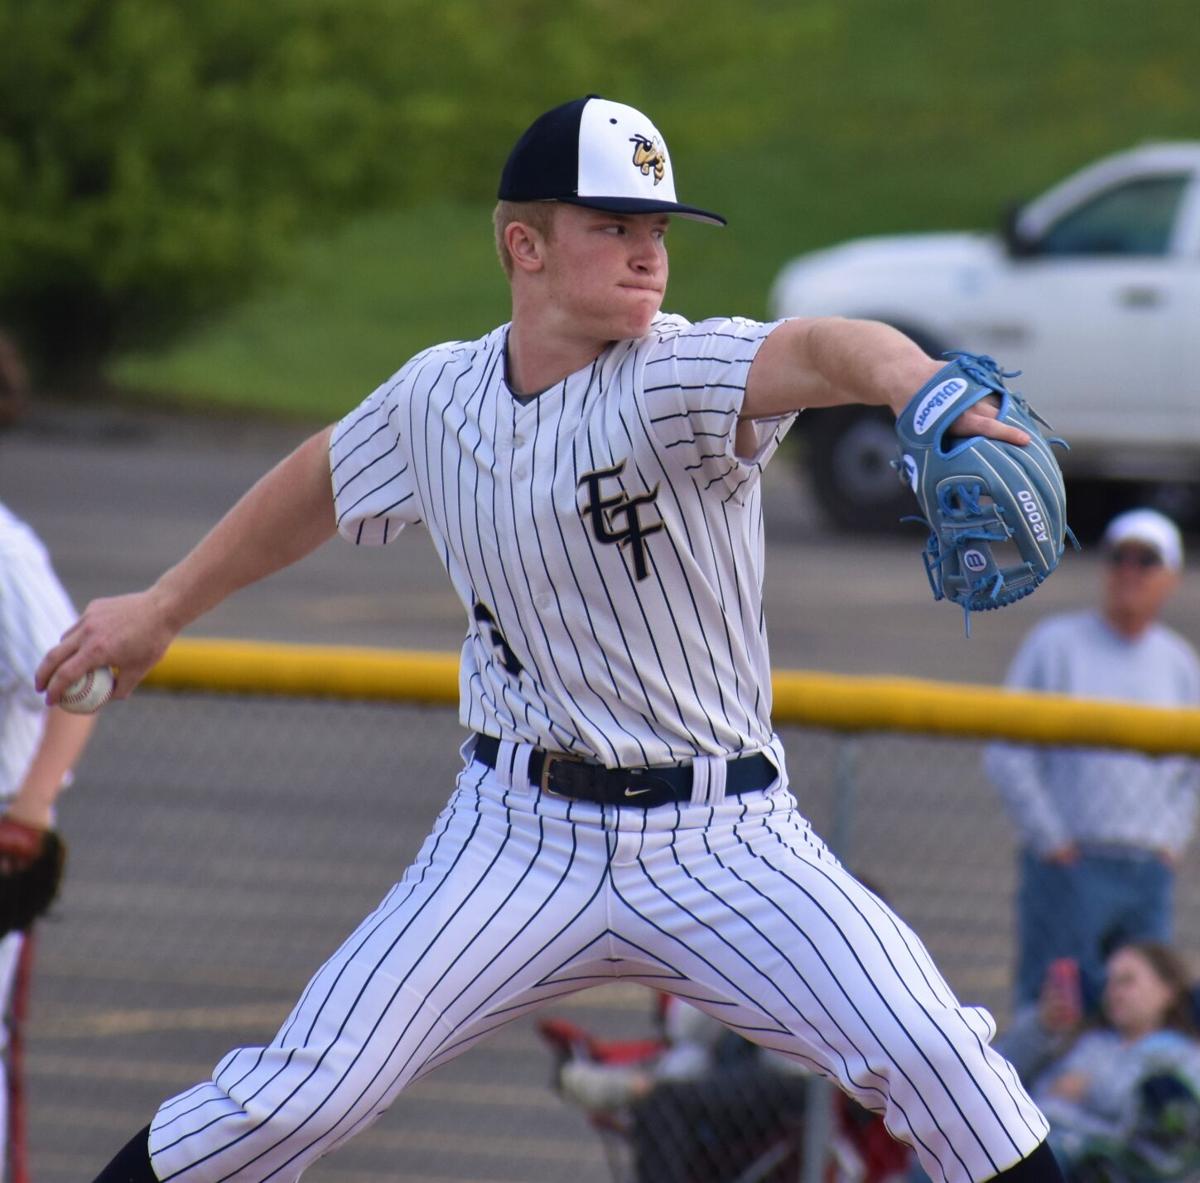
599 154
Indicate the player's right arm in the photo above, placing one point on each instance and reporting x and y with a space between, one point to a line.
285 516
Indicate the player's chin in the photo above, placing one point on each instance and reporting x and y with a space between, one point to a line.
639 312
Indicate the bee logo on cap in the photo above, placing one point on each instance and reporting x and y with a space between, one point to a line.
647 155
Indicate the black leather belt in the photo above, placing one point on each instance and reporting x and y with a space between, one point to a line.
567 776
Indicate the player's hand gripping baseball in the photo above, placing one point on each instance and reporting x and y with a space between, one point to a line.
129 633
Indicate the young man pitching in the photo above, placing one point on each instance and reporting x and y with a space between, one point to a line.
590 476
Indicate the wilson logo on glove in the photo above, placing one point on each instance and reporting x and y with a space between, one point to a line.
996 512
936 402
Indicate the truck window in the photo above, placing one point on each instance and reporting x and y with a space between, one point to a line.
1135 218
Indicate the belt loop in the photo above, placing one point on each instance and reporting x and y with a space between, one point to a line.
467 748
708 780
512 764
506 752
522 753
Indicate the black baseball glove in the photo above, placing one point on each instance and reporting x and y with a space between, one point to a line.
31 869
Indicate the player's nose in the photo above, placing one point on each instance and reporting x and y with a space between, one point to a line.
648 255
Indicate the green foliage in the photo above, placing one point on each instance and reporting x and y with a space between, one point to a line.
155 157
357 305
157 161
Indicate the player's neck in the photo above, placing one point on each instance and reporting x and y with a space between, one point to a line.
538 358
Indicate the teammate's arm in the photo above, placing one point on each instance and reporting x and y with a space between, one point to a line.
284 517
63 739
832 361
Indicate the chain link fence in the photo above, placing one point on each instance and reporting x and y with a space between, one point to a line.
222 846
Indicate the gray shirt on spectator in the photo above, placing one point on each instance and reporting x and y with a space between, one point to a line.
1086 796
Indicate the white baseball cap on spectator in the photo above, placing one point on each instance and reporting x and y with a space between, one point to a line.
1151 529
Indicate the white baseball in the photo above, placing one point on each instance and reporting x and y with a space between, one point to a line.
90 693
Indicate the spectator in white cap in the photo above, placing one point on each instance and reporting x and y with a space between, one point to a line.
1100 831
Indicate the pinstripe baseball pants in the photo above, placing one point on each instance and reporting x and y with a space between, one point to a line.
518 897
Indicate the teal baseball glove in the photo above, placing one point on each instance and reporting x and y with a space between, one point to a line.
996 512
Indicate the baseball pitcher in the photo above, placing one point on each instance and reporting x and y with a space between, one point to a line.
590 475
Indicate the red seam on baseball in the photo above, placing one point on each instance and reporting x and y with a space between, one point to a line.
85 689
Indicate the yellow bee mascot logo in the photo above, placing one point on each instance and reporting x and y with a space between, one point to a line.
647 155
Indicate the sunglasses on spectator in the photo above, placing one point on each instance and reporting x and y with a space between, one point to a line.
1144 560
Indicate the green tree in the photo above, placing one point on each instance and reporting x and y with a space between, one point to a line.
156 160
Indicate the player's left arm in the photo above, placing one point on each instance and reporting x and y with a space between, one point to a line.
285 516
834 361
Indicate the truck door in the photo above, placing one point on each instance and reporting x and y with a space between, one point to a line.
1095 310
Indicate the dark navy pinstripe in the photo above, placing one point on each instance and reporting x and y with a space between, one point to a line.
722 569
684 581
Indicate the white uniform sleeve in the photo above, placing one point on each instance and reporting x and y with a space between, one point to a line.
374 491
35 611
1017 771
694 384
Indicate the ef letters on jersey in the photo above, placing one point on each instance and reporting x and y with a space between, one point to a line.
606 511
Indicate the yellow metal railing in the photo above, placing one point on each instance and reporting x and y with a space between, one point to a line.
836 701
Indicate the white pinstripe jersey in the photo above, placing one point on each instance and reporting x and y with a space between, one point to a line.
604 537
34 613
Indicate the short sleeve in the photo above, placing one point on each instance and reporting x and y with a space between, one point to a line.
370 465
35 611
694 384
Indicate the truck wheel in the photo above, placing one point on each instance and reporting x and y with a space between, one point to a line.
849 465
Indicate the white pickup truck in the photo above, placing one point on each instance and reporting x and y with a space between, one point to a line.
1092 289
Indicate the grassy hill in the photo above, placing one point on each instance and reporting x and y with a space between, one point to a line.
806 123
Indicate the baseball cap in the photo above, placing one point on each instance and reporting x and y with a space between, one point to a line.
599 154
1150 528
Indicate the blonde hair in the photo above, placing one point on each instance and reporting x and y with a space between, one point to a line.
538 215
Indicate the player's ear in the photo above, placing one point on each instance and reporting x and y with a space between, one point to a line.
526 247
